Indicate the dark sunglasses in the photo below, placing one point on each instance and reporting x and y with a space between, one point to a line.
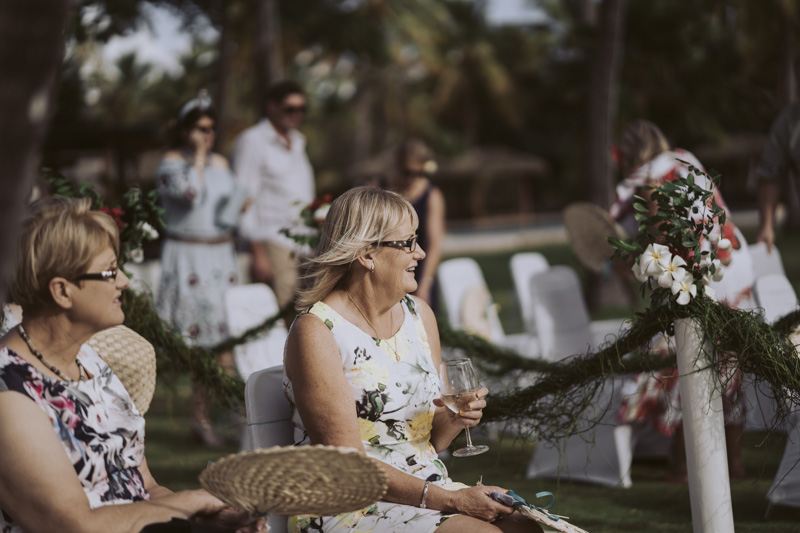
106 275
205 129
294 109
410 244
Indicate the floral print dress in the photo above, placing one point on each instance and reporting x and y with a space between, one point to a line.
96 421
393 395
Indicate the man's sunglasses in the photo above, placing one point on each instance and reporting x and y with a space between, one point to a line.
106 275
409 245
294 109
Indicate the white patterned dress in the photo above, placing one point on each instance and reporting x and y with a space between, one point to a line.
394 403
96 421
195 275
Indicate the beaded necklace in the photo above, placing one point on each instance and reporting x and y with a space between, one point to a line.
82 374
391 319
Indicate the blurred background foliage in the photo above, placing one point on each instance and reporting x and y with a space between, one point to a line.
709 72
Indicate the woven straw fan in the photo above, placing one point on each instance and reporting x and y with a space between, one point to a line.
588 225
133 360
292 480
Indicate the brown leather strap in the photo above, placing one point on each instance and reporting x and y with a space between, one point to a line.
201 240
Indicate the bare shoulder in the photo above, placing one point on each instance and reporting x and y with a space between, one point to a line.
173 155
219 161
310 343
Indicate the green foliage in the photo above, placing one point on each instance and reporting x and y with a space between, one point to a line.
139 217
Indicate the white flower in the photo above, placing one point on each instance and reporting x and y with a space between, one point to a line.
321 212
718 270
724 244
674 271
686 288
637 273
655 259
430 167
149 231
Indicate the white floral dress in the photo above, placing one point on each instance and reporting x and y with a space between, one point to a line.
96 421
394 396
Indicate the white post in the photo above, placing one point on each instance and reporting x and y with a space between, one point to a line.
704 431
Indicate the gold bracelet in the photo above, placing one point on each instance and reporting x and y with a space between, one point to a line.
424 493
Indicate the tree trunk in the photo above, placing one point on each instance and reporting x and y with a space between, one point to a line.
223 73
269 64
603 103
602 115
31 53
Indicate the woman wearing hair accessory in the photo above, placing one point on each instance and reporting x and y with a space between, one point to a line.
201 204
361 364
73 440
415 164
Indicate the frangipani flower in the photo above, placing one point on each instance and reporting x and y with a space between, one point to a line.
718 270
686 288
673 272
655 259
637 273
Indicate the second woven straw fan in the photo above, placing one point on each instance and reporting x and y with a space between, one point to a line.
293 480
588 225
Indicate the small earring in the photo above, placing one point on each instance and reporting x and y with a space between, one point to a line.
372 270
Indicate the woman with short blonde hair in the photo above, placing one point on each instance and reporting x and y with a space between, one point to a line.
75 460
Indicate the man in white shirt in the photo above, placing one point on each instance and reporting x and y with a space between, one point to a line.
271 163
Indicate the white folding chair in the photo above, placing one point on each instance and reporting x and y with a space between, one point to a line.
766 262
523 267
775 294
269 419
459 281
247 306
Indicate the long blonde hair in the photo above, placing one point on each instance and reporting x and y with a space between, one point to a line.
356 221
639 143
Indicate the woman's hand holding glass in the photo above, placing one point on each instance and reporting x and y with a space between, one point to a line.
463 396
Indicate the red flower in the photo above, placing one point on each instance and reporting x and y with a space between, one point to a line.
116 213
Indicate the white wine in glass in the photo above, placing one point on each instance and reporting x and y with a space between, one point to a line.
459 388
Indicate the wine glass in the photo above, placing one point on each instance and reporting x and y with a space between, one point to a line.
459 388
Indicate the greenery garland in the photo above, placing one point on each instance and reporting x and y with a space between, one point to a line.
562 397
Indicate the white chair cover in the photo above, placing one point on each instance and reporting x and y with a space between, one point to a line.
766 262
523 267
559 313
602 455
785 489
459 281
247 306
775 295
146 276
269 420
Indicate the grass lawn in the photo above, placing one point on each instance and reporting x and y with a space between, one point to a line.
650 505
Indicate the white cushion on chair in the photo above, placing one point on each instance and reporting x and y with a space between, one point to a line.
247 306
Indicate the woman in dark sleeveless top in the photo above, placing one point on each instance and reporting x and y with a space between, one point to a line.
415 164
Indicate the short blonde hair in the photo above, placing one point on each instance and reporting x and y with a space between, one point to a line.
357 219
639 143
60 237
